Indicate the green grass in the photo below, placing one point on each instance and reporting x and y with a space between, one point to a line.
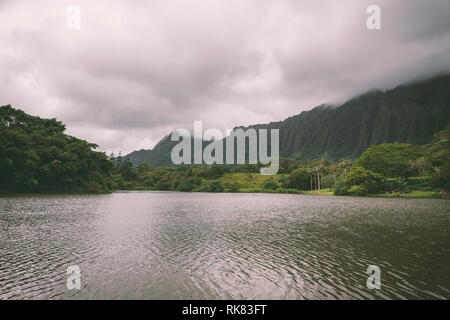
323 192
262 190
412 194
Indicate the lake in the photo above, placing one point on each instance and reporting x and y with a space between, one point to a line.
170 245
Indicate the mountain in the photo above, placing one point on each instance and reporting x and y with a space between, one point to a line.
159 155
409 113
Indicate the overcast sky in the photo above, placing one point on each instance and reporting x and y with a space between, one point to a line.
134 72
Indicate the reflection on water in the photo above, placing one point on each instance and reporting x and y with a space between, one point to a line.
163 245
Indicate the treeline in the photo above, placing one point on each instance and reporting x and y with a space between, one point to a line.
36 156
176 178
385 168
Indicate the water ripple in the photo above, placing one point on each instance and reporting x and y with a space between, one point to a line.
162 245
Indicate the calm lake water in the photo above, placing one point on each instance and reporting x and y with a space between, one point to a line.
166 245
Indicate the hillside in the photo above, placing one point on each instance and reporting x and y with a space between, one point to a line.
409 113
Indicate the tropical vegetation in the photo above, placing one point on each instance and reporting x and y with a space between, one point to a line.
36 156
389 169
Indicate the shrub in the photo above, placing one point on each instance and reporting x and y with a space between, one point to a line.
185 185
398 186
284 182
189 184
163 184
92 187
341 188
213 186
231 186
210 172
358 191
247 168
271 185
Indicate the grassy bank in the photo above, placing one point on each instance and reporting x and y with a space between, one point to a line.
412 194
257 183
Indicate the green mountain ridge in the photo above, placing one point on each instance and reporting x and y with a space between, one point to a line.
409 113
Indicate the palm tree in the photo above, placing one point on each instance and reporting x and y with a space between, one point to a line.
422 165
320 167
344 165
310 172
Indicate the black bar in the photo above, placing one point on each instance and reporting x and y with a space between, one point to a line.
223 309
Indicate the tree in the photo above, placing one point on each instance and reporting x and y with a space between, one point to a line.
143 167
126 170
440 157
343 166
118 160
390 159
442 178
299 179
288 165
366 179
422 166
36 156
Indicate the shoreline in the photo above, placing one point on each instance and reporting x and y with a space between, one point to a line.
415 194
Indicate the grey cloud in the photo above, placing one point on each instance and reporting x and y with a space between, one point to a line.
136 71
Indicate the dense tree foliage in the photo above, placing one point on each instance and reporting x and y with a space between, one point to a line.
391 159
299 179
36 156
440 157
360 181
